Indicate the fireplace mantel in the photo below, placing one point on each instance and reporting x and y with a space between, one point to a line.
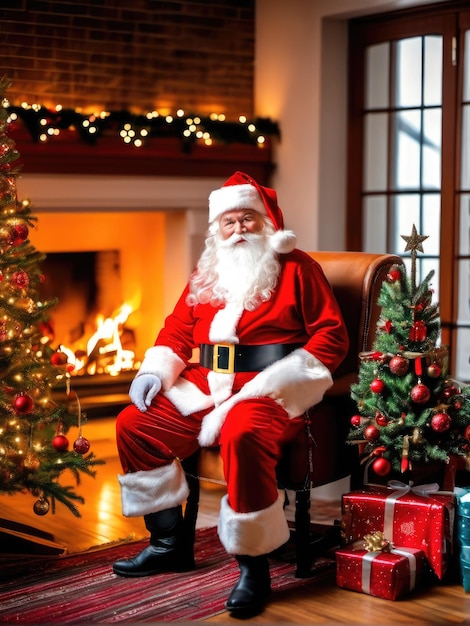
161 157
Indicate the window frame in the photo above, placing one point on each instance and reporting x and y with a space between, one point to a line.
447 19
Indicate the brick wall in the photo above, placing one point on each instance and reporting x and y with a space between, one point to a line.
139 56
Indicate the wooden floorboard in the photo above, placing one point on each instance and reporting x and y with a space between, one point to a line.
101 522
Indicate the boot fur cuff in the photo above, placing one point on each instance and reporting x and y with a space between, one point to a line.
255 533
155 490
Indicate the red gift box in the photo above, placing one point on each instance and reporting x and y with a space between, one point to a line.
406 517
388 575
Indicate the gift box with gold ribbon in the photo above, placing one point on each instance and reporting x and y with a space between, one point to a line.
410 517
389 574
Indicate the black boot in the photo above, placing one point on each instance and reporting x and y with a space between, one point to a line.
252 590
168 551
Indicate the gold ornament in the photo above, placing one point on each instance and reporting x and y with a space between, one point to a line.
376 542
25 304
414 243
417 438
31 461
41 506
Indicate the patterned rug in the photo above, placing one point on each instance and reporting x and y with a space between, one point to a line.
82 588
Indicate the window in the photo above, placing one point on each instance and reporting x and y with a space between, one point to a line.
409 151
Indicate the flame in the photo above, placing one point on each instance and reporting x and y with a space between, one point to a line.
104 350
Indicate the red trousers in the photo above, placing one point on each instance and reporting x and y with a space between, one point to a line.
250 444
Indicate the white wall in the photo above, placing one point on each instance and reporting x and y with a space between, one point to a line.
301 82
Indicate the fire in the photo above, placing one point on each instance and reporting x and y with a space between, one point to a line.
104 351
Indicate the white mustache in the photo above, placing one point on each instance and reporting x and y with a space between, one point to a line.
237 238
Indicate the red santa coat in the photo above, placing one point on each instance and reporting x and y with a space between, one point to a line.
302 310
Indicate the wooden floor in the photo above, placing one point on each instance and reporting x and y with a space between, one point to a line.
317 603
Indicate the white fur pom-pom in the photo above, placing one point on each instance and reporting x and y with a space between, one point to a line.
283 241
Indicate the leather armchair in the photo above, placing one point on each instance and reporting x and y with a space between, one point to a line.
319 453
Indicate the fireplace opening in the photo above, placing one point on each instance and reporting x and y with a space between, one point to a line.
88 323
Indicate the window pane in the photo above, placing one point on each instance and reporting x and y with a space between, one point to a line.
463 314
406 165
405 213
466 74
376 147
462 366
431 220
432 148
408 78
423 269
377 68
375 224
464 225
432 70
465 173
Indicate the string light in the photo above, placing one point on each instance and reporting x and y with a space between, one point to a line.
44 124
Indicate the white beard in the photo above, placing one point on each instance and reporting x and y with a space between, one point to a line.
242 270
239 265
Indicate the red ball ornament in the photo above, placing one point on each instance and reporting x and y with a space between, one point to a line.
20 279
60 443
59 358
394 275
448 392
467 432
381 466
434 371
356 420
371 433
81 445
377 385
399 365
23 404
19 233
420 393
440 422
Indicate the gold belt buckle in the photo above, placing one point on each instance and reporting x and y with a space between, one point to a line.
230 360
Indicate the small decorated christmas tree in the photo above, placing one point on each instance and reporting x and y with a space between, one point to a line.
34 448
410 411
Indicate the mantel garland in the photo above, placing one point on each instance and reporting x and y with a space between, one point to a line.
44 124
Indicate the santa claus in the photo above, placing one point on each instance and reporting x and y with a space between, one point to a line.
270 334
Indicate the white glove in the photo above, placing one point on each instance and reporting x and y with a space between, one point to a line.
143 390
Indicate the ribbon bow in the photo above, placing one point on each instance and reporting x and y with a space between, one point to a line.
419 490
376 542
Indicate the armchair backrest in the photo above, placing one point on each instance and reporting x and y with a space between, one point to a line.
356 279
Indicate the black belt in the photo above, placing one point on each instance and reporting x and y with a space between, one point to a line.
229 358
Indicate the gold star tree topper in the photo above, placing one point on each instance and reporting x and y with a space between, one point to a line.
413 244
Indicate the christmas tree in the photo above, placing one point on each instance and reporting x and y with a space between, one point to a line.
410 410
34 448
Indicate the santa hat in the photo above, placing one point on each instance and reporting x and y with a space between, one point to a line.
240 191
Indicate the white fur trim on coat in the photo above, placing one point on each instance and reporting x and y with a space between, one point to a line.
223 327
155 490
221 386
253 534
188 398
164 363
296 382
